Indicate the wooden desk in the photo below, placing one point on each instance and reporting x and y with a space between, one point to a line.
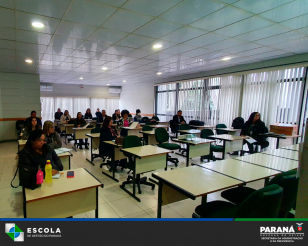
117 156
66 160
273 162
92 122
165 123
94 145
189 182
240 170
285 153
21 144
61 126
201 127
292 147
68 131
64 197
133 131
197 132
230 142
278 137
196 147
146 158
80 133
230 131
160 126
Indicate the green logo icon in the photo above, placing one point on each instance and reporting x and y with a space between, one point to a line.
14 232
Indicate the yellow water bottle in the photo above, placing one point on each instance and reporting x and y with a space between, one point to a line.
48 172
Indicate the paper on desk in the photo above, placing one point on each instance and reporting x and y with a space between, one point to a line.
56 176
251 140
62 150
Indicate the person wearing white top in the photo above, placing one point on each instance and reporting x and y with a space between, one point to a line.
65 118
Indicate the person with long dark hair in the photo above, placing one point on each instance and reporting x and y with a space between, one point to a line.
88 114
36 152
124 122
33 125
253 127
80 122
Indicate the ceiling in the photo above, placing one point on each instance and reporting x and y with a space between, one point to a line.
80 37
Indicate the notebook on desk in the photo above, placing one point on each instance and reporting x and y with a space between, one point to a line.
86 125
133 125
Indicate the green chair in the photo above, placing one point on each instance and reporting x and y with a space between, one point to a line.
96 130
145 136
263 203
162 136
287 180
155 118
184 127
221 131
150 123
145 119
131 142
214 148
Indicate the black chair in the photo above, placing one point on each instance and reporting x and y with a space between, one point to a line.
214 148
263 203
287 180
20 124
145 136
130 142
221 131
184 127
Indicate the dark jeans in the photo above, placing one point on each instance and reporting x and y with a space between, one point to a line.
251 147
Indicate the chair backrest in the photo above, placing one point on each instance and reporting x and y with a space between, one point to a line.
145 119
96 130
19 123
206 132
161 135
172 126
263 203
221 131
146 128
131 141
289 182
185 127
238 123
150 123
155 118
95 118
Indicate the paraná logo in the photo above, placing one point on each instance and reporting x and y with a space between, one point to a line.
14 232
299 226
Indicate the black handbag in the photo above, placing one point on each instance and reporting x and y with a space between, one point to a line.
27 176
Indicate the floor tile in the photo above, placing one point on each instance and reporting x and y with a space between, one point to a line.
184 208
112 194
15 213
140 215
124 207
166 213
104 211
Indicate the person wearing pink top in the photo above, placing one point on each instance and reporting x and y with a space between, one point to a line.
124 122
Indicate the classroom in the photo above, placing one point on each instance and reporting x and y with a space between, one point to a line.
153 109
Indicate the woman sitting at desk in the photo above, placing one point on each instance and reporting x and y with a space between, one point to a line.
29 128
36 153
88 114
80 122
253 128
124 122
52 138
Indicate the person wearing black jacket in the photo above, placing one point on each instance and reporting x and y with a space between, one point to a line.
253 128
177 119
80 122
98 113
88 114
36 153
58 114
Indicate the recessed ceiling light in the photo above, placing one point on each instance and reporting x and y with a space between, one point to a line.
104 68
226 58
157 46
124 81
37 24
28 60
159 73
81 78
108 84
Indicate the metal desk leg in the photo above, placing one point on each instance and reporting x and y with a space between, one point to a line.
277 143
113 169
187 155
266 180
96 210
224 148
204 199
91 162
160 194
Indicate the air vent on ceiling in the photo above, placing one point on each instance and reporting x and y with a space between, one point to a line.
46 88
114 90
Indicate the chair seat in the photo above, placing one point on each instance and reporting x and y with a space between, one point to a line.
216 209
170 146
237 195
216 148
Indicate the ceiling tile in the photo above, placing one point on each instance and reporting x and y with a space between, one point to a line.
263 33
255 51
225 44
287 11
31 47
74 30
116 3
34 56
280 38
296 23
134 41
221 18
49 63
24 21
244 26
139 53
6 44
93 46
212 56
206 39
142 62
7 18
7 33
158 56
193 9
292 44
105 57
240 48
147 7
196 52
56 58
33 37
183 34
276 53
89 12
178 49
107 36
7 4
132 20
157 28
69 64
83 54
58 51
118 50
259 6
126 59
70 43
303 30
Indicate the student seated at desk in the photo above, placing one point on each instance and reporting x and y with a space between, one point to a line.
36 153
102 116
253 127
116 116
58 114
88 114
98 113
124 122
178 119
52 138
65 118
138 116
33 125
33 114
80 122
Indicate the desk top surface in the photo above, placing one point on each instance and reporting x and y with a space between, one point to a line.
148 132
81 128
197 180
285 153
65 154
93 135
192 131
147 150
292 147
129 128
269 161
227 137
158 126
81 180
244 171
228 129
22 142
194 141
202 127
113 143
66 125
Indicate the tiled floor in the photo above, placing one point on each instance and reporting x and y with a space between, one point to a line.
113 202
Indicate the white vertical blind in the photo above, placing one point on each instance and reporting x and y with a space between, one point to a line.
48 109
80 105
110 105
64 103
166 102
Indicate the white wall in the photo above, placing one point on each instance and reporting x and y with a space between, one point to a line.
62 90
19 95
138 96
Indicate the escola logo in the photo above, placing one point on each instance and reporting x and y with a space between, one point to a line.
14 232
